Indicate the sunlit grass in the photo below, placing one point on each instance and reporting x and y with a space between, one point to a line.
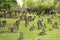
54 34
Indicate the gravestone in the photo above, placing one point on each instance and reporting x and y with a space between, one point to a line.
25 17
7 14
21 35
12 29
26 22
30 18
32 28
4 23
39 24
17 24
22 17
43 32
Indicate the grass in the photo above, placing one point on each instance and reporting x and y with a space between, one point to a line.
54 34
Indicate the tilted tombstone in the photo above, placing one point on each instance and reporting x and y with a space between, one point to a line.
25 17
43 32
30 18
21 35
12 29
44 28
16 24
26 21
39 24
32 28
22 17
4 23
7 14
55 25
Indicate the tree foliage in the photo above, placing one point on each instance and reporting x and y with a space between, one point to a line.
7 4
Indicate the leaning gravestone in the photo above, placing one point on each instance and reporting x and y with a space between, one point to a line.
21 35
22 17
39 24
4 23
16 24
30 18
43 30
12 29
26 22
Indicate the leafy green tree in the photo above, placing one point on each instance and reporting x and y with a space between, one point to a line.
7 4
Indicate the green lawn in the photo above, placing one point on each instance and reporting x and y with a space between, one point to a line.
54 34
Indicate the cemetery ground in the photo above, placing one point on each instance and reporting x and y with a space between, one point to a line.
53 34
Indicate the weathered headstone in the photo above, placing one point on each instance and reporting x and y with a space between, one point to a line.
30 18
4 23
22 17
7 14
17 24
26 21
12 29
39 24
43 30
